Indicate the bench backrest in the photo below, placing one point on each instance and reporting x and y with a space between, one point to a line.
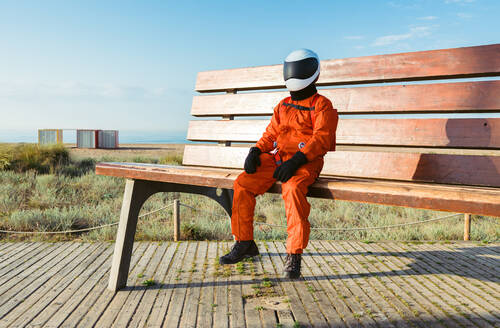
374 139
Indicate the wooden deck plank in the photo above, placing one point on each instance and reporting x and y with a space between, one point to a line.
35 297
236 307
92 308
34 277
325 282
419 280
20 261
471 259
11 253
207 296
421 306
450 296
146 306
316 316
192 300
257 290
222 315
174 313
81 293
299 311
319 294
348 291
485 254
4 245
138 291
67 287
485 277
393 294
119 300
163 299
460 288
285 316
346 283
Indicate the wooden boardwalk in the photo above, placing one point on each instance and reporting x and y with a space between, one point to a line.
345 283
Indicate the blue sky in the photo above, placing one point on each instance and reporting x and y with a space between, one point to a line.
131 65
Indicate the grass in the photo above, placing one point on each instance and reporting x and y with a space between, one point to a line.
44 189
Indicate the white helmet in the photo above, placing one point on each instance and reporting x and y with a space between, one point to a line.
301 68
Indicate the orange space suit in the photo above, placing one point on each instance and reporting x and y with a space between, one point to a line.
308 126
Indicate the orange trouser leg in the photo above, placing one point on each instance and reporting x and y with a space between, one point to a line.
297 207
246 188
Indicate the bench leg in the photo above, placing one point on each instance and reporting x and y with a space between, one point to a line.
136 193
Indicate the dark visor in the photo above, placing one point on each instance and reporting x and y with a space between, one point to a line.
301 69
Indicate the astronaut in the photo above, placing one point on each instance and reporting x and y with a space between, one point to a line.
291 150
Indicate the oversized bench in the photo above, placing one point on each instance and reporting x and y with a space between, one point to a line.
393 154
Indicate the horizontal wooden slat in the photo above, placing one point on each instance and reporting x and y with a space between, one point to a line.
423 65
458 133
474 200
479 96
435 168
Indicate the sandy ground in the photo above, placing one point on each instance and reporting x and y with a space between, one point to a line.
127 151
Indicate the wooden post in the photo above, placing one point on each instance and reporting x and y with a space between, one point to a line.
467 220
177 221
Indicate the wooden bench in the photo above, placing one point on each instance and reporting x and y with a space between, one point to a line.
389 151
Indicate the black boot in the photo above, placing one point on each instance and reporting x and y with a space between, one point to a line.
240 251
292 266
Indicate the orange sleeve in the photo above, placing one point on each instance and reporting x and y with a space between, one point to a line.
266 142
325 128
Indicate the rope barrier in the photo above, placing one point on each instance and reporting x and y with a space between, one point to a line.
80 230
338 229
225 216
367 228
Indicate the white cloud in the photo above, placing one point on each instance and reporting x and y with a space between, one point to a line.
427 18
354 37
415 32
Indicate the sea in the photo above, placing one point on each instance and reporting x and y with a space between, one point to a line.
125 136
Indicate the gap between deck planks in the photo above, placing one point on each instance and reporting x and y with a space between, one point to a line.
344 283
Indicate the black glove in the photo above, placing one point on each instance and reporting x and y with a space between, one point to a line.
252 160
286 170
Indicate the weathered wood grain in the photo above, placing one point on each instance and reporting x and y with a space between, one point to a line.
345 283
93 307
65 291
457 97
412 66
482 201
147 302
454 133
436 168
164 297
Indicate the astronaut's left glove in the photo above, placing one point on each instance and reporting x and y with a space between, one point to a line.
286 170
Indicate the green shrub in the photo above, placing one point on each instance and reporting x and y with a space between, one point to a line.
25 157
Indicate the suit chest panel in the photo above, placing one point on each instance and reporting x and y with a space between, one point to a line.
295 119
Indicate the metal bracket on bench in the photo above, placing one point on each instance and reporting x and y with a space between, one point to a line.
136 193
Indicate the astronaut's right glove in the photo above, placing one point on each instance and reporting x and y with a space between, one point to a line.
252 160
286 170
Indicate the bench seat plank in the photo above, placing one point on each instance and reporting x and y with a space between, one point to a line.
474 200
459 133
439 97
422 65
435 168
